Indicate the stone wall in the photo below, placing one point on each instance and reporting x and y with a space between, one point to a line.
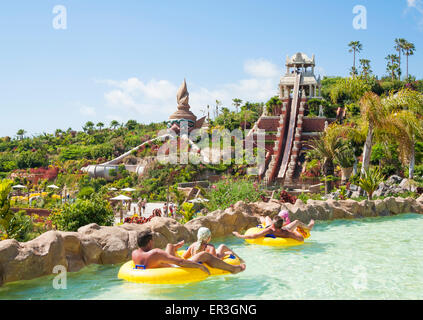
111 245
315 124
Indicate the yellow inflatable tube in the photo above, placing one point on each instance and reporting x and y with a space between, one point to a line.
171 275
275 241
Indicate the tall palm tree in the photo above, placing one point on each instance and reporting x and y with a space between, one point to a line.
356 47
399 46
409 50
374 113
406 127
405 123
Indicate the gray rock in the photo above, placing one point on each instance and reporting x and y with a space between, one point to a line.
408 185
393 180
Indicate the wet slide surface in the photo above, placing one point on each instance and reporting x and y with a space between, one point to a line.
291 129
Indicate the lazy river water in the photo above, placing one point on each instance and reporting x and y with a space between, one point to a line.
375 258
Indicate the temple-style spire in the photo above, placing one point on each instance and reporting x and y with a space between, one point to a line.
182 97
183 113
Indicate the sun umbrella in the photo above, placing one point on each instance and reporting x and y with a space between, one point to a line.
198 200
18 186
128 189
121 197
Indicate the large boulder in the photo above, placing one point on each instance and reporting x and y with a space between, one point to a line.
73 250
270 208
34 258
409 185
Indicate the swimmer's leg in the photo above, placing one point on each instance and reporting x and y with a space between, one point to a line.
223 251
215 262
293 225
172 248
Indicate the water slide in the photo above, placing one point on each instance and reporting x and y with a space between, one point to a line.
291 129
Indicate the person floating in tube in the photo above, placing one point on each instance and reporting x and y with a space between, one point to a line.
147 257
277 228
203 245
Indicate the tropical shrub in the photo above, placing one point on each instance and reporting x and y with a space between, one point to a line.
226 193
83 212
187 212
12 225
20 226
370 181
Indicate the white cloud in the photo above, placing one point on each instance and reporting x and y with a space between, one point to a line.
417 7
260 68
86 110
411 3
155 100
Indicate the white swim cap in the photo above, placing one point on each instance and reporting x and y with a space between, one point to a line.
203 234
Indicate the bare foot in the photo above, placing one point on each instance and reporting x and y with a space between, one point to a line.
311 224
179 244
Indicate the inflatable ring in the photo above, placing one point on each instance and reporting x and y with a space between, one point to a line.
271 240
171 275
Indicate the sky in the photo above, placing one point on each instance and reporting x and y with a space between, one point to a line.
99 60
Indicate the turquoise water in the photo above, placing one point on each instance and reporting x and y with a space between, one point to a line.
376 258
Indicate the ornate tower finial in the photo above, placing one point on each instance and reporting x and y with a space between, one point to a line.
182 97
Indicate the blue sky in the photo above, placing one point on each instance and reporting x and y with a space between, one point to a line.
126 59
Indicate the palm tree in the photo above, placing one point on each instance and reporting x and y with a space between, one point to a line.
327 146
114 124
392 66
236 102
370 181
405 127
399 46
100 125
88 127
405 123
365 67
356 47
374 113
21 133
409 49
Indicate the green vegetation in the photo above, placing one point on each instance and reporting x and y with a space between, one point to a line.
229 191
370 181
84 211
